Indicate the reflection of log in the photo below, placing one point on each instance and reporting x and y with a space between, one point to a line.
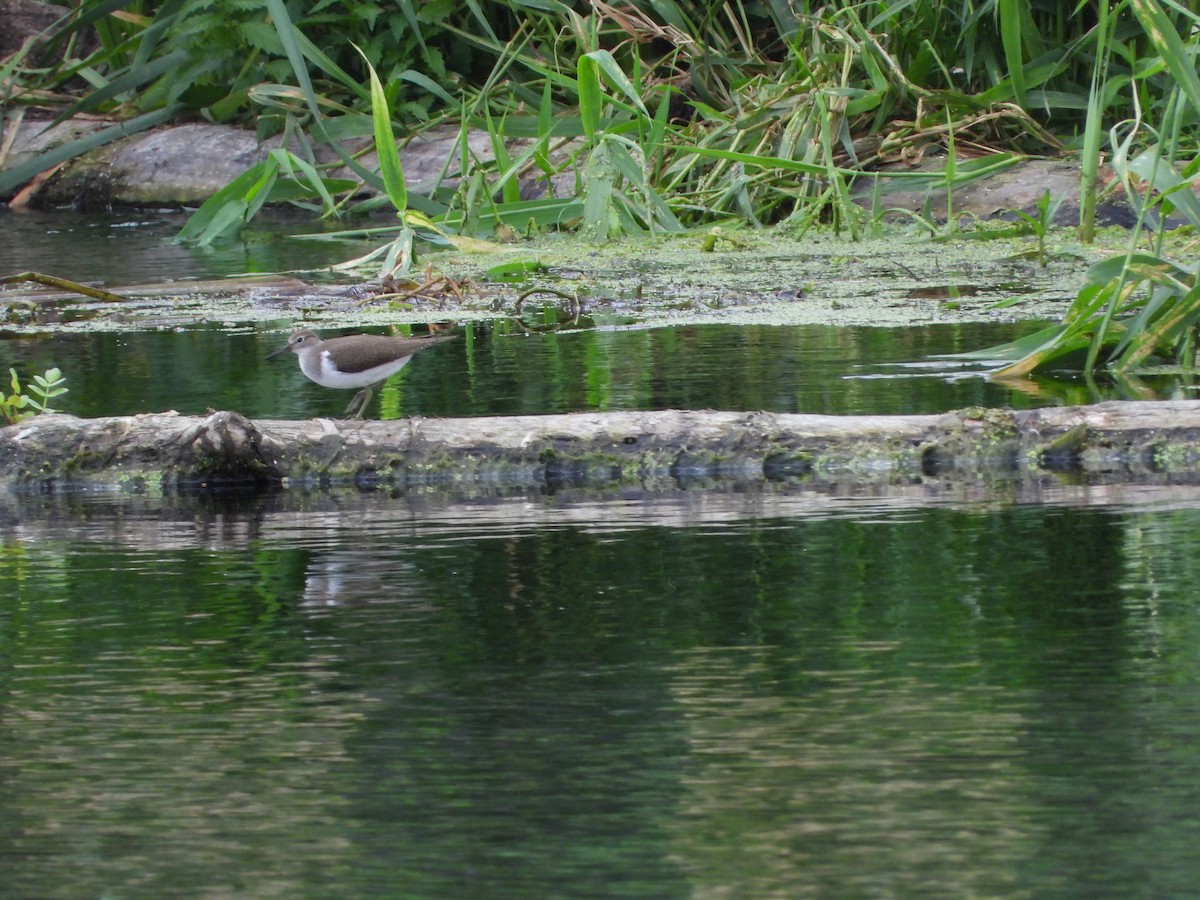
324 518
1112 441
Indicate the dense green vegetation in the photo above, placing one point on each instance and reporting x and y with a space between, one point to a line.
662 115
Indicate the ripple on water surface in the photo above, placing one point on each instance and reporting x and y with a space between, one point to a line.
691 699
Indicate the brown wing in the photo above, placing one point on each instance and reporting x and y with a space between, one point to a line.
366 351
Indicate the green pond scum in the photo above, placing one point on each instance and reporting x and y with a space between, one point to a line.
764 277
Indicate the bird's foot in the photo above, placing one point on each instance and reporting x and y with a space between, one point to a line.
358 404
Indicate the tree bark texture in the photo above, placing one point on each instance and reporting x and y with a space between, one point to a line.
1113 442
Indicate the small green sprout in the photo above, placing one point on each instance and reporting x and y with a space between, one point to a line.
34 399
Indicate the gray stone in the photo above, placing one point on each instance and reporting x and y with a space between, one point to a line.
22 20
180 166
183 165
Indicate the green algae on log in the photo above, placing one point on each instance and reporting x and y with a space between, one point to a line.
1116 441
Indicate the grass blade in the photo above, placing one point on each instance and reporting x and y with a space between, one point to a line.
289 36
1010 37
385 142
590 97
604 60
1166 41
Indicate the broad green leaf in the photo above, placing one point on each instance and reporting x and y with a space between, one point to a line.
427 84
1108 269
516 270
1166 41
291 164
165 18
619 80
1180 317
658 130
545 212
590 97
385 142
545 116
1010 37
322 61
550 6
408 10
1150 166
225 211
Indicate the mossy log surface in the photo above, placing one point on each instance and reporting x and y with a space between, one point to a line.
1116 441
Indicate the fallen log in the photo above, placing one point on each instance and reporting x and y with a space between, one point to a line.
1113 442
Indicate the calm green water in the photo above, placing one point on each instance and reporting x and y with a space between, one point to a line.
745 693
715 696
797 369
123 248
501 371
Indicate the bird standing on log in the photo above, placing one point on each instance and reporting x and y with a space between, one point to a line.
361 361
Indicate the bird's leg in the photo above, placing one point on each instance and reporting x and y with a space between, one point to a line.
365 396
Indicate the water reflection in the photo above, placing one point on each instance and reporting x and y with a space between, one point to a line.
768 695
122 248
517 368
855 781
494 371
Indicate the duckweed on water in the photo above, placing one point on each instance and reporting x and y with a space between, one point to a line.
765 277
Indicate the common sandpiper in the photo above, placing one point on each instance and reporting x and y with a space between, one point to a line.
355 361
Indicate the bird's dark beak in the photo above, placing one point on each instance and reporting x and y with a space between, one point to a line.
283 349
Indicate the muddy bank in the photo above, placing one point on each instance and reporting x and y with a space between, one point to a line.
1112 442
